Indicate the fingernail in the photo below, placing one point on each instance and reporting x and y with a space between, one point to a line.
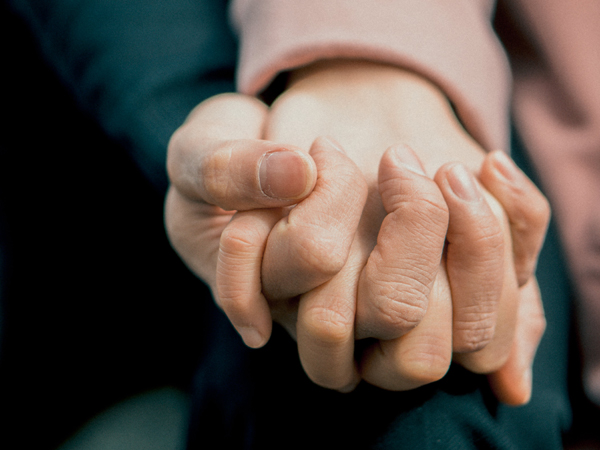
252 338
283 174
505 166
333 143
406 157
463 183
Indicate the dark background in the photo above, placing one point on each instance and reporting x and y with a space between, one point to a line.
95 304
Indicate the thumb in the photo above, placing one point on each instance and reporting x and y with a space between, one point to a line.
216 157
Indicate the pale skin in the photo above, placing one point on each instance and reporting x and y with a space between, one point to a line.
362 253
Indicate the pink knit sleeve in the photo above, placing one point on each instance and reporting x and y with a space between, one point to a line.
450 43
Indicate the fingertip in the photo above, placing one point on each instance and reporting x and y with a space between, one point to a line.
463 183
526 386
455 178
350 387
330 142
512 391
252 337
403 156
286 174
505 166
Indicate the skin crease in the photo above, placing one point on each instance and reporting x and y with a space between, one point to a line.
192 223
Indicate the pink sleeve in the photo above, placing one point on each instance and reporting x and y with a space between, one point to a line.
451 43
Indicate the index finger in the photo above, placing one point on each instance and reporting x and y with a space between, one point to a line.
311 244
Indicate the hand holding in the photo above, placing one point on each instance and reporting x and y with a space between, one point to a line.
218 165
362 120
323 319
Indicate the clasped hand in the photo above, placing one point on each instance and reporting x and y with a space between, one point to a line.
341 242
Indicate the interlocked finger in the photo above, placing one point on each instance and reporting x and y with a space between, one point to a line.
325 331
238 274
395 284
474 258
421 356
527 209
311 245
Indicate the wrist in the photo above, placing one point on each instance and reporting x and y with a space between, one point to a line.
379 105
385 85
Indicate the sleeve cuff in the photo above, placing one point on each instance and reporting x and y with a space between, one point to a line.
450 43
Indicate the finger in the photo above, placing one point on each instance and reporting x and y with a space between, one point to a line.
194 231
325 332
311 244
238 282
217 157
495 354
395 284
527 209
513 382
419 357
474 258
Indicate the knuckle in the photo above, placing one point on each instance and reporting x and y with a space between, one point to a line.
432 211
488 239
473 340
529 214
474 327
531 218
239 241
399 307
330 327
321 252
428 362
540 212
538 326
425 201
214 176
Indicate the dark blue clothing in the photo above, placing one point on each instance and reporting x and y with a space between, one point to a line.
137 66
96 306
